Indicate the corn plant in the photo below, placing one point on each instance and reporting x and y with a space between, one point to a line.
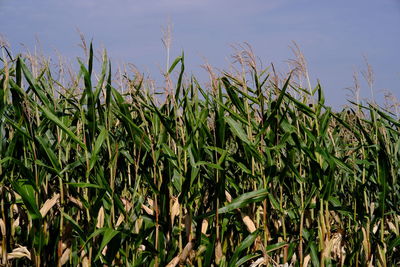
250 170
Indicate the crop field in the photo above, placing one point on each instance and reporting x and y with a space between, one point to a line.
100 168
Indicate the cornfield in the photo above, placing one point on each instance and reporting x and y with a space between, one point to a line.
252 169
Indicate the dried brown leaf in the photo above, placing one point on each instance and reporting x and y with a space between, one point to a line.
100 218
19 252
174 209
306 260
147 209
366 244
185 252
65 256
49 204
204 226
120 220
2 227
85 262
14 225
173 262
228 197
76 201
260 261
218 252
249 223
392 227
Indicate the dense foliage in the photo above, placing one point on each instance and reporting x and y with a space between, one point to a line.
252 170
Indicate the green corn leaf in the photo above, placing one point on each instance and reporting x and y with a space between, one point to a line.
314 254
233 96
49 152
179 83
27 193
246 258
276 246
97 146
239 202
40 93
247 242
394 243
17 127
75 225
209 164
108 235
237 129
90 115
50 115
85 185
173 65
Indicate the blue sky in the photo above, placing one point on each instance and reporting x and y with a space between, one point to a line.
334 35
